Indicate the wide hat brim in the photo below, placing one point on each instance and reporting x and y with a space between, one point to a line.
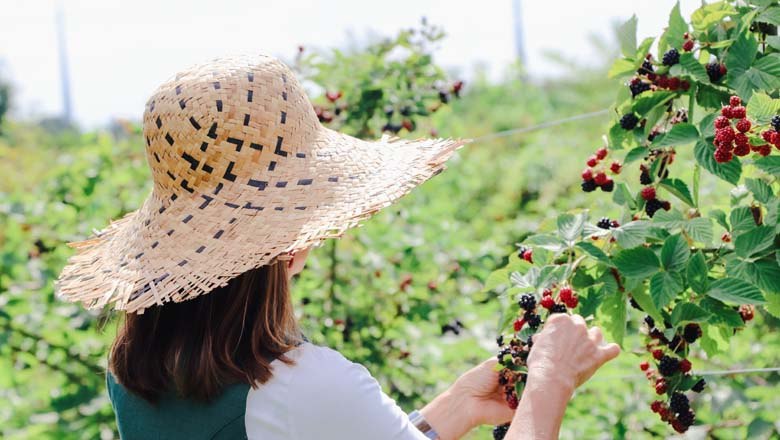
173 251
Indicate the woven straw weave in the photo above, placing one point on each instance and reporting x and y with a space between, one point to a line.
243 174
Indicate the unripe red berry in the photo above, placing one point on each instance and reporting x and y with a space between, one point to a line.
648 193
656 406
666 205
616 167
528 255
592 161
644 365
742 150
726 237
685 85
572 302
518 325
601 153
674 83
724 134
601 178
723 155
734 101
774 138
688 46
333 96
685 365
658 354
587 174
743 125
660 387
746 311
512 401
767 135
547 302
565 294
741 140
738 112
547 292
726 111
722 122
764 150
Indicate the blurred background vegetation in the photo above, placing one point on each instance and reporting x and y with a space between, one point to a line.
402 295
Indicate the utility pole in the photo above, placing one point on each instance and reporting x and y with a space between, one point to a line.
67 104
517 19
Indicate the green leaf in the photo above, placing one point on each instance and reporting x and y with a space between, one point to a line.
760 189
713 341
693 68
677 27
620 68
546 241
626 34
741 220
638 262
680 134
763 273
770 15
631 234
646 102
740 55
612 316
664 286
729 171
710 14
754 241
773 304
769 164
763 75
617 136
646 303
699 229
721 313
635 154
688 312
595 252
720 217
735 291
697 273
570 226
623 197
679 189
675 253
707 126
762 107
711 97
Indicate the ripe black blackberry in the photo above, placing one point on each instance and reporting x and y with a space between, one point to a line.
653 206
679 403
629 121
558 308
500 431
604 223
699 386
589 185
776 122
527 302
686 418
671 57
668 365
714 71
677 344
638 87
647 67
534 321
692 332
645 178
608 186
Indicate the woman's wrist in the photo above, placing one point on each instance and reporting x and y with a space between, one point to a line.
448 414
542 406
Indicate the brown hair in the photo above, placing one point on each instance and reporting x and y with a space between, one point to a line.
197 347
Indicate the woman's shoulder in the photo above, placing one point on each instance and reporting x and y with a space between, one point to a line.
317 363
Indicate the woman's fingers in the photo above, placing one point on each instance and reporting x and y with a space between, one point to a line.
595 335
609 351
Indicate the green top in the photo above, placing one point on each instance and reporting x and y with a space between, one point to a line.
174 418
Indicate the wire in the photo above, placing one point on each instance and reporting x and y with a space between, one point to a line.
699 373
547 124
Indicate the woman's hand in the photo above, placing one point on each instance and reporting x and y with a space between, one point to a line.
564 355
474 399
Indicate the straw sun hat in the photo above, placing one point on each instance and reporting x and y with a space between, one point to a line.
244 175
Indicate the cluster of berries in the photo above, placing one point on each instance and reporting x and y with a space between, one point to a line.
327 115
596 177
652 203
647 79
672 370
728 141
526 253
606 223
771 136
512 358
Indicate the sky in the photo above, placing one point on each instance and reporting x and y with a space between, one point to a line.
120 50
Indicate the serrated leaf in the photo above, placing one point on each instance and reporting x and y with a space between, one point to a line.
754 241
693 68
760 189
710 14
707 125
570 226
740 55
688 312
680 134
762 107
546 241
635 154
623 197
677 27
679 189
621 67
638 262
720 217
612 316
763 273
712 341
631 234
664 286
646 102
699 229
773 304
646 303
626 34
697 272
735 291
763 75
675 253
721 313
770 15
711 97
769 164
595 252
729 171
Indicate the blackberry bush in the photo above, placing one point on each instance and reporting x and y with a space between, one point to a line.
715 91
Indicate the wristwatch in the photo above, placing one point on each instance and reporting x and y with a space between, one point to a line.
420 423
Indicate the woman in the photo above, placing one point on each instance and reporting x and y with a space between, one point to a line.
246 181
